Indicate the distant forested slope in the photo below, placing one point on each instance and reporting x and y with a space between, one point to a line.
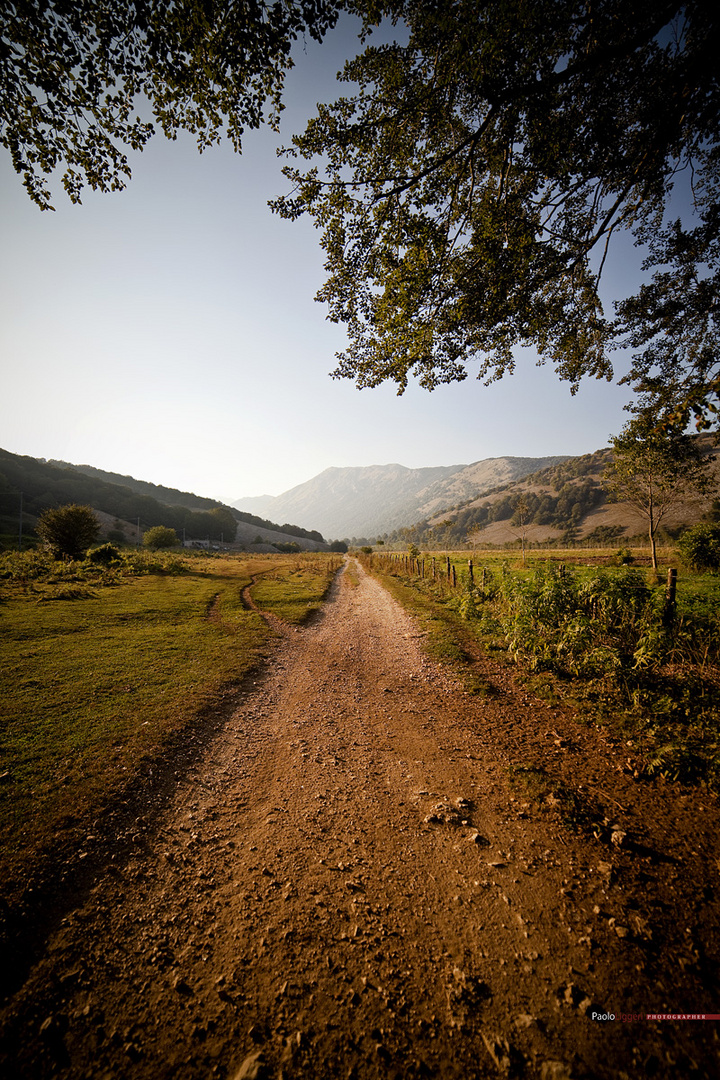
46 484
563 503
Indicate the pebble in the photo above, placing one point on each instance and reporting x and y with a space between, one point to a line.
555 1070
252 1068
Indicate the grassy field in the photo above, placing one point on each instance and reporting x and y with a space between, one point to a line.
292 592
103 665
578 629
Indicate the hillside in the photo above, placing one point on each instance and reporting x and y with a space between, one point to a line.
565 503
127 507
372 500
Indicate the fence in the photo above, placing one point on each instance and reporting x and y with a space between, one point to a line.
444 572
441 570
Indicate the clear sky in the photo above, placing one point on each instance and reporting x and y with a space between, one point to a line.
169 332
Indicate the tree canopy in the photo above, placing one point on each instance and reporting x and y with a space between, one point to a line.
467 187
84 79
469 184
160 537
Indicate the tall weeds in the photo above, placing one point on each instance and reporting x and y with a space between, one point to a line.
607 640
611 641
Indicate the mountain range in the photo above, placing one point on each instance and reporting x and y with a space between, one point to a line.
370 501
493 501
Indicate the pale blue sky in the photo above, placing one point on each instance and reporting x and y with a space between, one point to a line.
169 332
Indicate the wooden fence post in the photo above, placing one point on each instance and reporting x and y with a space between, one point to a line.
454 577
670 596
470 571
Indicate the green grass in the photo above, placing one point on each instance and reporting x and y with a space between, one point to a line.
102 668
295 590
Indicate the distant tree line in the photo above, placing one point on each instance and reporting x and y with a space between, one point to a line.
185 498
563 510
142 487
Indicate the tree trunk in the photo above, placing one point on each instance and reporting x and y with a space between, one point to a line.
651 532
653 552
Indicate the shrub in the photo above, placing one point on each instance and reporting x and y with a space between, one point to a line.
700 547
105 554
159 537
159 562
68 531
556 623
25 565
468 605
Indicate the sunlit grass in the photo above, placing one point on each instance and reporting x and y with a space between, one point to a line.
294 590
92 686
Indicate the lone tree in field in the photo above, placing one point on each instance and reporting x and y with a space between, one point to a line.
159 537
68 531
521 519
654 472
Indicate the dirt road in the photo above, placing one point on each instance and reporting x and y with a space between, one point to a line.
347 885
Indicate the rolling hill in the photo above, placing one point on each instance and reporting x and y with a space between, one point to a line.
564 503
127 507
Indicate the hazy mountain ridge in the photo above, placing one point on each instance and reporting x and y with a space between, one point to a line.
474 481
375 499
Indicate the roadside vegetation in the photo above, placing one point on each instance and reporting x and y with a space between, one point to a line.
107 659
610 641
